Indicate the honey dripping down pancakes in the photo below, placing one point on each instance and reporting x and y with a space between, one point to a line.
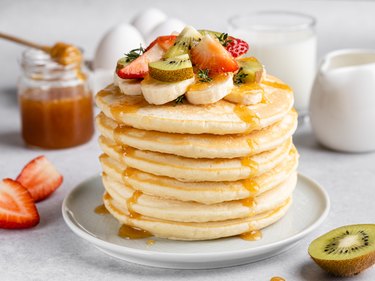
196 139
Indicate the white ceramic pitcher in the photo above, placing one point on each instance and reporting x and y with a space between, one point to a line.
342 103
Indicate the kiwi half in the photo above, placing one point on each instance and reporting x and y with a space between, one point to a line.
205 32
121 63
252 68
184 41
172 70
345 251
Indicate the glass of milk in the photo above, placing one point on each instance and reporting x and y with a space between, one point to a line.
285 42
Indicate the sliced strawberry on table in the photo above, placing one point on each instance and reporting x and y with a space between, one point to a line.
165 42
138 68
17 207
237 47
40 178
210 54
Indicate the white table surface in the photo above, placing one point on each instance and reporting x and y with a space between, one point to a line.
51 251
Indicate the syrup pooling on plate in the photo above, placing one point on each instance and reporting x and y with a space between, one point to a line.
101 210
252 235
129 232
150 242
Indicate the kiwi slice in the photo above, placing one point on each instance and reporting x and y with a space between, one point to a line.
345 251
184 41
172 69
251 70
121 63
205 32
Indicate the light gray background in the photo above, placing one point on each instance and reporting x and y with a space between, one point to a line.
52 252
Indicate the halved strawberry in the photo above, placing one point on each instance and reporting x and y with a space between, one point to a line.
165 42
210 54
237 47
17 207
40 178
138 68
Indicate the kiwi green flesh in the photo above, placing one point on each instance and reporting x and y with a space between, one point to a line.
179 48
171 70
205 32
121 63
184 42
345 251
253 68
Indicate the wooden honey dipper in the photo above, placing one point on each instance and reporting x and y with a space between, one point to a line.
62 53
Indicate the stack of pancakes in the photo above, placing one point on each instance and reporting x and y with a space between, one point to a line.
197 172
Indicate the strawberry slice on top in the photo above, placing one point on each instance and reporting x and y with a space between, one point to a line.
165 42
17 207
237 47
138 68
210 54
40 178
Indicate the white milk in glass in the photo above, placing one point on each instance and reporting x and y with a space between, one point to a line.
287 52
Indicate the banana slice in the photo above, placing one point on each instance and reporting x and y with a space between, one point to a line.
210 92
246 94
130 87
157 92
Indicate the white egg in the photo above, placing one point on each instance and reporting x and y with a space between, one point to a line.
146 20
114 44
165 28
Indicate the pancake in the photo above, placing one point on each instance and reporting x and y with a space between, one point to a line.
180 211
195 231
219 118
204 145
202 192
193 170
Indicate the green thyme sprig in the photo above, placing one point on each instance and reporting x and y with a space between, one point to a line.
203 75
180 99
223 38
133 54
239 77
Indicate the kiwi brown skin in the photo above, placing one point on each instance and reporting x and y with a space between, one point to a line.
346 268
171 75
345 263
172 70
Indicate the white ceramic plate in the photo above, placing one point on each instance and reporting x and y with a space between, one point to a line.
309 209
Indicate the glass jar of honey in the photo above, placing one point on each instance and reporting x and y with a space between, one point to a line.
55 102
